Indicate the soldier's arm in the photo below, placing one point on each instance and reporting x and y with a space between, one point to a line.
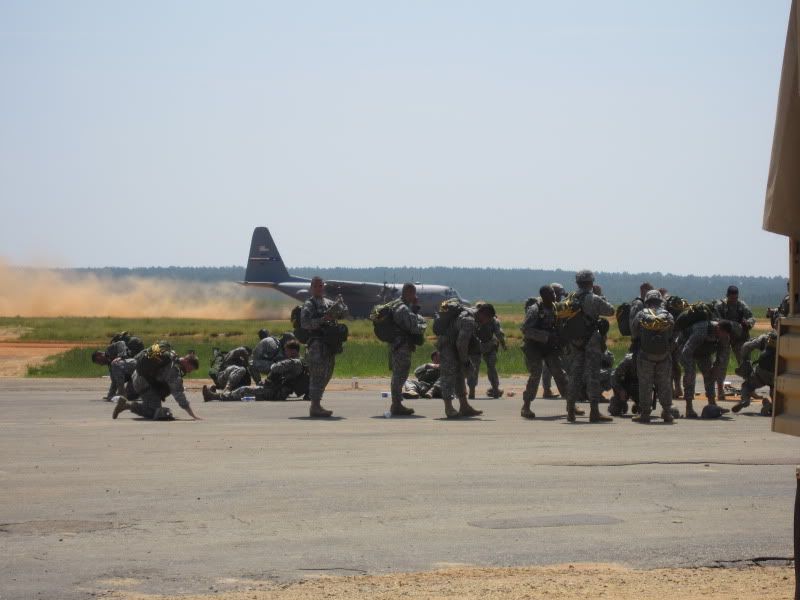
288 367
750 345
636 307
307 318
748 316
692 344
499 333
528 328
406 320
602 306
636 323
175 383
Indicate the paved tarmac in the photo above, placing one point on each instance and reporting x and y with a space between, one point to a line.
257 491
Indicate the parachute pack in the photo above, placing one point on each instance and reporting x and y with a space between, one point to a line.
303 335
623 316
693 314
675 305
150 360
573 322
448 312
382 317
134 344
654 337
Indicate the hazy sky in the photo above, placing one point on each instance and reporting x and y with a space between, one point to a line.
627 136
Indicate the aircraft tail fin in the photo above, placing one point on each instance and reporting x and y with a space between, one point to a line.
264 263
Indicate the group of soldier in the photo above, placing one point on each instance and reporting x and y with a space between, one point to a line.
565 340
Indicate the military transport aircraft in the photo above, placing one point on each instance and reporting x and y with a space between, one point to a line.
265 268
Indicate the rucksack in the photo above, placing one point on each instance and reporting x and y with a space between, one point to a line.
382 317
303 335
448 312
531 301
134 344
695 313
334 335
151 360
675 305
623 315
238 356
574 325
654 336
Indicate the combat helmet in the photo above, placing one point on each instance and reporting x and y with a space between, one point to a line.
584 276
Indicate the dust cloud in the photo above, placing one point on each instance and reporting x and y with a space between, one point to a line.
28 292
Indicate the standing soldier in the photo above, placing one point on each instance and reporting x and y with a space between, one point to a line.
653 327
547 378
741 317
318 316
542 346
410 328
587 347
491 337
454 353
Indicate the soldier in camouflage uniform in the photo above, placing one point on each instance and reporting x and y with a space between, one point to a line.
587 353
318 313
427 383
741 317
233 377
547 378
762 375
286 376
701 341
625 385
168 381
410 328
265 352
114 350
454 352
490 337
653 327
542 346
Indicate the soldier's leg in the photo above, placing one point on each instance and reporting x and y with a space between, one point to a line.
552 362
547 382
318 368
148 404
677 392
689 380
472 374
756 380
401 365
593 365
533 360
449 374
491 374
645 370
240 392
577 385
706 366
464 408
663 383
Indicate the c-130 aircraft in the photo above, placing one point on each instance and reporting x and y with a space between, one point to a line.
265 268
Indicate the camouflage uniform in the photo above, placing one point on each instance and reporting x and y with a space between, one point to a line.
233 377
737 313
624 381
491 337
409 324
283 379
783 309
266 352
321 359
427 381
542 347
114 351
168 381
587 355
454 355
701 341
547 377
121 373
763 374
654 368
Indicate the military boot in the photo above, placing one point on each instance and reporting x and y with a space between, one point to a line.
316 411
495 393
526 411
471 395
208 395
643 417
570 411
666 414
739 406
122 404
690 414
766 408
398 410
465 410
595 416
449 411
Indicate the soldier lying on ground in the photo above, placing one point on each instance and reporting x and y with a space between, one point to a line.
426 384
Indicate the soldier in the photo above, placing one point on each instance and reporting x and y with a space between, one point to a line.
547 378
286 376
637 305
653 327
542 345
265 352
318 316
167 380
410 328
625 386
490 337
233 377
427 382
454 351
701 341
587 346
741 317
118 349
763 374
